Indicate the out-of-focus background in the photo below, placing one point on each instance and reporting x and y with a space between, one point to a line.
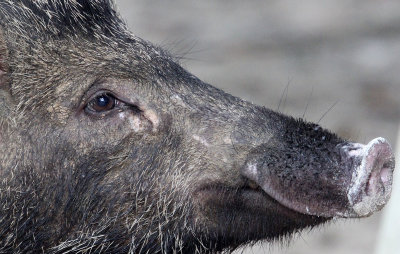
332 62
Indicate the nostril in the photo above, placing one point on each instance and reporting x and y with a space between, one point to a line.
386 174
380 177
374 184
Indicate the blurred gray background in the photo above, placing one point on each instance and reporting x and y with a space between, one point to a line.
332 62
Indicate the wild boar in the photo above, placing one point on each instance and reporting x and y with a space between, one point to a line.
109 146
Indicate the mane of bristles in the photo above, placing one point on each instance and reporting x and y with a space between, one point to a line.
67 18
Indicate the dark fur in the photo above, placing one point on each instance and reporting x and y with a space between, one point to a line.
161 175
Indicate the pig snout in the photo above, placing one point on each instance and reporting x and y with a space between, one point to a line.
350 180
371 181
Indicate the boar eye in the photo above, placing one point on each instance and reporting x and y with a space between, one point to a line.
101 103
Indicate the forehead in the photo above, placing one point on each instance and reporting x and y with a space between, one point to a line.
59 45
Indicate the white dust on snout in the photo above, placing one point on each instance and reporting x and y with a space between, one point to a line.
357 149
369 202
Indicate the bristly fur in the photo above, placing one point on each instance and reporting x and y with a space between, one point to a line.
157 173
63 18
44 40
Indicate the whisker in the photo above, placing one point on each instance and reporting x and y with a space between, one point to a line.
308 101
333 105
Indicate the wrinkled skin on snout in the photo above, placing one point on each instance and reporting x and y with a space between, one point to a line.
109 146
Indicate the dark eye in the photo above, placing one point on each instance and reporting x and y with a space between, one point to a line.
102 103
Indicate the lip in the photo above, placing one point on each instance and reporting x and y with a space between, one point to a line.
248 199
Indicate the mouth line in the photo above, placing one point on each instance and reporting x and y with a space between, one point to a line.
286 210
250 195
